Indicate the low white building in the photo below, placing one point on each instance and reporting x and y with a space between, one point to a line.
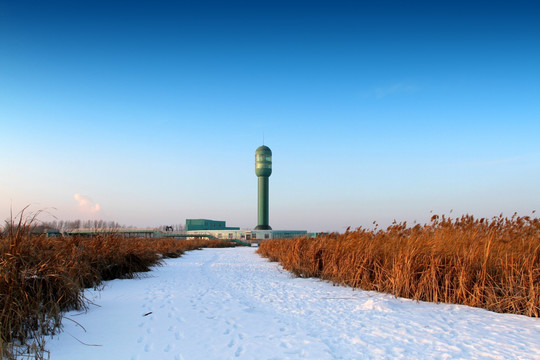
249 235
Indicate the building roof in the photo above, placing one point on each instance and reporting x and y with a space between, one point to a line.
263 150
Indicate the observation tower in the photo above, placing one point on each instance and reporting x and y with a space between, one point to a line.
263 170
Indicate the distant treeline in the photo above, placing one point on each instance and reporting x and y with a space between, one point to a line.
67 225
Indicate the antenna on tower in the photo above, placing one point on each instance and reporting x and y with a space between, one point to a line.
263 137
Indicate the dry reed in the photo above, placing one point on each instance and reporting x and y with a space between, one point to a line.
42 277
492 264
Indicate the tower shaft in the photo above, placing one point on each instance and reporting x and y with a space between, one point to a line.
263 196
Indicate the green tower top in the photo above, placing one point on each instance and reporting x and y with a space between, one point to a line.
263 161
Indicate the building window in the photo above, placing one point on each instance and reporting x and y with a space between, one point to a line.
267 236
263 158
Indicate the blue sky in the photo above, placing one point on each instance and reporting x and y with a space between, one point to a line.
151 111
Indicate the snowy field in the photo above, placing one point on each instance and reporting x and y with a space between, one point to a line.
231 303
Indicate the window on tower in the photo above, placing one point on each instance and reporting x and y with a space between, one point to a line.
263 158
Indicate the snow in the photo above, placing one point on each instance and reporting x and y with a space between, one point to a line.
231 303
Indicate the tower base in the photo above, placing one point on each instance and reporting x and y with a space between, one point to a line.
263 227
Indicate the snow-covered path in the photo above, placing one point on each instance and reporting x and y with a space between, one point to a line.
231 303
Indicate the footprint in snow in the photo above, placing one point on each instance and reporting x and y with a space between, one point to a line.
239 351
286 345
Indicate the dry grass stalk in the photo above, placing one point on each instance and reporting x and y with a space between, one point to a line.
493 264
42 277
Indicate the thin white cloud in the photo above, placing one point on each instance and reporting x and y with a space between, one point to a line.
398 88
86 204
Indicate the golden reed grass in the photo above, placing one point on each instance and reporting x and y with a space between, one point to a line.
42 277
492 264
